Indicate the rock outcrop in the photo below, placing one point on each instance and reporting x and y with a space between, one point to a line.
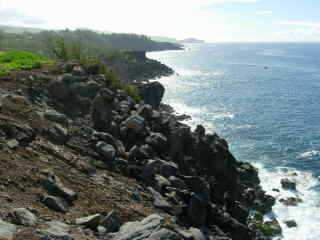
94 164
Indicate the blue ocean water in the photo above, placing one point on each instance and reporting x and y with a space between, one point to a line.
265 100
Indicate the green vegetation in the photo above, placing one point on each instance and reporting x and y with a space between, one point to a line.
91 43
120 57
268 228
113 80
20 60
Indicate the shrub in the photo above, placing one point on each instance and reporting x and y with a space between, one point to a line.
20 60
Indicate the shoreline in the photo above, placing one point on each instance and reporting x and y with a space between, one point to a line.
146 162
293 208
185 118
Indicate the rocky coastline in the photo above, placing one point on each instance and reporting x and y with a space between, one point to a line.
83 160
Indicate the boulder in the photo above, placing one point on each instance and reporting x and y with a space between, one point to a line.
105 137
159 201
290 201
152 93
238 211
58 134
140 153
164 234
56 203
200 131
288 184
87 89
135 123
106 150
7 230
77 70
58 89
180 144
178 183
22 133
199 186
139 230
145 111
228 224
12 144
197 234
214 159
55 230
161 167
124 107
291 223
112 222
161 183
91 222
158 141
23 216
54 186
55 116
197 211
102 107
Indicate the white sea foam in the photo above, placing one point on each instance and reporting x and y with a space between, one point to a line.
197 73
306 214
188 72
308 154
245 126
273 53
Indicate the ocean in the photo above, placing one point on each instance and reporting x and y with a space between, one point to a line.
264 99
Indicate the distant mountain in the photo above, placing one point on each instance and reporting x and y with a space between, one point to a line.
19 30
191 40
164 39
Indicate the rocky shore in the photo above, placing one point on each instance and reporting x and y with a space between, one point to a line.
80 160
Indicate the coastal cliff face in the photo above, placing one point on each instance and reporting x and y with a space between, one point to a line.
83 160
134 66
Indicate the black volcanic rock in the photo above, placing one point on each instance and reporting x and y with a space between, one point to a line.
120 155
152 93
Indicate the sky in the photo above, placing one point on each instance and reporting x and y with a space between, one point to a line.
210 20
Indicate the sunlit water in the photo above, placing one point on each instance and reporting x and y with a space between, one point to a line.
265 100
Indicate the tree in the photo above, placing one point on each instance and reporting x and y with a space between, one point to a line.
56 45
1 40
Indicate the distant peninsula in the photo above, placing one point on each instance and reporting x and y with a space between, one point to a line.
192 40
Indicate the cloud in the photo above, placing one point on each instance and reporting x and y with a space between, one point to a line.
11 16
264 13
301 24
302 30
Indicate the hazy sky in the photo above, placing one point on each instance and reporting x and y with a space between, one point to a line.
212 20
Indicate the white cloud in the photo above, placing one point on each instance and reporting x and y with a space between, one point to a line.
14 17
173 18
302 30
301 24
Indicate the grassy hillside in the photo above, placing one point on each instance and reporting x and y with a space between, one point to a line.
19 60
90 43
15 29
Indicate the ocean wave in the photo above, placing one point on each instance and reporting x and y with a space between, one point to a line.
188 72
278 53
223 115
182 108
304 213
308 154
245 126
272 53
195 72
